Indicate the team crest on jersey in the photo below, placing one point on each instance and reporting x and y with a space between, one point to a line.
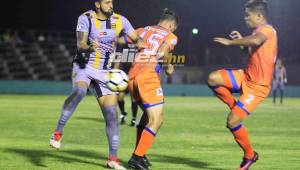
159 92
113 25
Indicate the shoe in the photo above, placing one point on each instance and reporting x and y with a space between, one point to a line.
146 160
137 162
246 163
133 123
55 140
114 163
123 118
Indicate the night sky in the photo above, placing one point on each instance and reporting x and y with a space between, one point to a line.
211 17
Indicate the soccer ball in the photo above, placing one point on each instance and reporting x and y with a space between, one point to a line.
117 80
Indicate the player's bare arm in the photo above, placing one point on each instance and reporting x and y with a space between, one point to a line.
139 42
82 43
253 40
164 51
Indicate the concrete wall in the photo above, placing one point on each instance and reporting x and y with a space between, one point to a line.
64 88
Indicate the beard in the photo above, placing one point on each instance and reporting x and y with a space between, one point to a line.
107 13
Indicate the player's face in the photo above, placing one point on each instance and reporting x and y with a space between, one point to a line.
173 26
251 18
106 7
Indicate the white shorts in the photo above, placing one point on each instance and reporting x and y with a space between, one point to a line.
95 78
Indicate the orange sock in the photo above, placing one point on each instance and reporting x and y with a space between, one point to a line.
241 137
145 143
225 95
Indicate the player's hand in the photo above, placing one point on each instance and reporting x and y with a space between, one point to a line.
170 69
235 35
95 45
223 41
140 44
285 80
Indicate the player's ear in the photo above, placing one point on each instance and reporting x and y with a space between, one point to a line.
97 4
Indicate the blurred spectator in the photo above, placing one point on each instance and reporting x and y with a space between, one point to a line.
41 38
7 37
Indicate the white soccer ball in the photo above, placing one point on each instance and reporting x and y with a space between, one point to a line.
117 80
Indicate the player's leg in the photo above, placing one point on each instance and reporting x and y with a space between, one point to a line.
147 137
274 89
107 101
239 131
281 91
70 104
108 105
134 110
152 98
121 103
144 118
274 96
223 83
81 83
249 100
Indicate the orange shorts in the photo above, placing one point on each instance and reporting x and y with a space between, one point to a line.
146 89
251 94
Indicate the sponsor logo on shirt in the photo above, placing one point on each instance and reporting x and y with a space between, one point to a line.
159 92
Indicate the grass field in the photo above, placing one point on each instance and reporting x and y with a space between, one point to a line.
193 135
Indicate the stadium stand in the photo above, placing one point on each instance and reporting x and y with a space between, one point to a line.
31 56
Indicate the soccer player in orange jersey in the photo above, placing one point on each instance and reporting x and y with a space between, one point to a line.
253 82
144 83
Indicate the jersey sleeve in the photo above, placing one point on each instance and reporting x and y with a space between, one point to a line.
171 40
83 24
127 27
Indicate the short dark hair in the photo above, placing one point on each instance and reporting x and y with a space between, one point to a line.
259 6
169 16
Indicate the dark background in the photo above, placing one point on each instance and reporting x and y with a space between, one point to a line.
212 18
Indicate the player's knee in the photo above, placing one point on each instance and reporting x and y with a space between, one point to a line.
232 124
212 79
79 92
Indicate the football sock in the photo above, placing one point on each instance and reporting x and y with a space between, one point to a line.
224 94
140 127
147 138
69 106
241 137
134 109
121 106
112 128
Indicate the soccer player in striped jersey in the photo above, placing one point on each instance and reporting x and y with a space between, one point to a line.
97 32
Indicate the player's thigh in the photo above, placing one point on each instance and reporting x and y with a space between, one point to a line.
231 78
150 92
104 95
132 87
108 100
79 77
155 113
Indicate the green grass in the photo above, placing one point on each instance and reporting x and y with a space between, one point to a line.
193 135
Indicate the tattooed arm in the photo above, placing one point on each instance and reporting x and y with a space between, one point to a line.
82 43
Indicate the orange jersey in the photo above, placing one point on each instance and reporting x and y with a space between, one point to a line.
146 62
260 66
